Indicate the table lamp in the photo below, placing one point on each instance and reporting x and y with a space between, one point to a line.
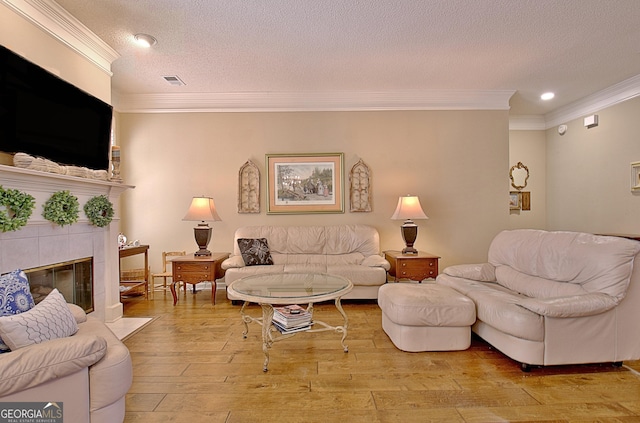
202 209
408 209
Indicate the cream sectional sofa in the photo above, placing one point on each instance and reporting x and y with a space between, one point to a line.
352 251
89 372
549 298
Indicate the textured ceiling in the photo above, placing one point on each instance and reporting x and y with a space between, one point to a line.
571 47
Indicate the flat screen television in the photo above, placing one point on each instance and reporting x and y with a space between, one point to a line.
44 116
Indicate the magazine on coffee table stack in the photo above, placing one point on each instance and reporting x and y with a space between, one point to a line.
291 318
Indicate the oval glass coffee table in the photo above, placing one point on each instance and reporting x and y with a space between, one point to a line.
271 289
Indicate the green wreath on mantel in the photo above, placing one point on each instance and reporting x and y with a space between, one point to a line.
99 210
61 208
18 207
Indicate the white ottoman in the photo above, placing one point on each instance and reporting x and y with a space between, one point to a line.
426 317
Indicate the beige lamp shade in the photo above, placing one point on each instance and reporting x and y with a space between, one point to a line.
202 209
409 208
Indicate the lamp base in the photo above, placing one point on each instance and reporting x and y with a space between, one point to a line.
202 234
409 235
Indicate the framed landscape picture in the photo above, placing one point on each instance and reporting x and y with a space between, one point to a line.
305 183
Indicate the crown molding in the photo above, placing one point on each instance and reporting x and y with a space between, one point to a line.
52 18
313 101
56 21
527 123
615 94
618 93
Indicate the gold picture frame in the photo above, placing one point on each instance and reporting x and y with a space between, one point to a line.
305 183
525 202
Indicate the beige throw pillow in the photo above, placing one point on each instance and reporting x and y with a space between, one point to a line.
49 319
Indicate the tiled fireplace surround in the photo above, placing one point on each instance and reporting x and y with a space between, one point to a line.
42 243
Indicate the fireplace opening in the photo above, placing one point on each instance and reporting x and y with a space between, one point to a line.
74 280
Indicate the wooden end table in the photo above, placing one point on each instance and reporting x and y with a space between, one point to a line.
195 269
416 267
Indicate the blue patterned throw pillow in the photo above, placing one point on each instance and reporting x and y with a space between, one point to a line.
15 297
255 251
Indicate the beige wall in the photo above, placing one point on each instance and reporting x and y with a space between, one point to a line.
32 43
455 161
529 148
588 173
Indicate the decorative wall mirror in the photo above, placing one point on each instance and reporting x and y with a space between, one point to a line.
249 188
519 174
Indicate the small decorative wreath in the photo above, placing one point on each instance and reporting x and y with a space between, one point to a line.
61 208
19 206
99 210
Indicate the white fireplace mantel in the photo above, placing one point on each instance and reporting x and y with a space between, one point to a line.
41 242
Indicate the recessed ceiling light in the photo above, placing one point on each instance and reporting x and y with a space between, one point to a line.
547 96
145 40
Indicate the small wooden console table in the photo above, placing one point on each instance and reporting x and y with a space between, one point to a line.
193 270
129 287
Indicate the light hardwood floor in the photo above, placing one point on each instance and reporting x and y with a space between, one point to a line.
191 364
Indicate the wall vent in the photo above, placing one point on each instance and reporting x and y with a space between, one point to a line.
174 80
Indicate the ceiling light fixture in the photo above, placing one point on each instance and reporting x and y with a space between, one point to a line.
145 40
547 96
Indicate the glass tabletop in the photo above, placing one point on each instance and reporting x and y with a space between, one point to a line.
280 288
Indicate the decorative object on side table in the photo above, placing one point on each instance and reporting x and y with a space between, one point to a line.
409 208
202 209
122 240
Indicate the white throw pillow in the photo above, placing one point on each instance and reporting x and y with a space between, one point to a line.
49 319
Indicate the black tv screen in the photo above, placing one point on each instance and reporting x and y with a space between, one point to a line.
44 116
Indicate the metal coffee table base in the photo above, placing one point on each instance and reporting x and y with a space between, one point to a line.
268 330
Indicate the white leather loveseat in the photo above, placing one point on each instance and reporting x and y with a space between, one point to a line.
549 298
89 373
352 251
